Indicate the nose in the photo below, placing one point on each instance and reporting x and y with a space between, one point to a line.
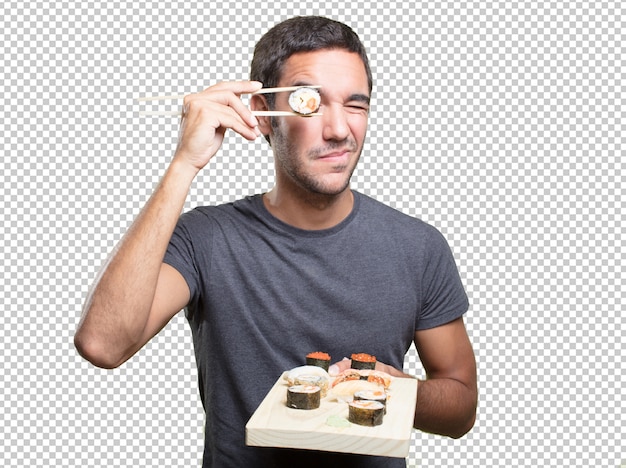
335 123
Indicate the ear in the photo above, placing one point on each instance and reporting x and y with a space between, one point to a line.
258 103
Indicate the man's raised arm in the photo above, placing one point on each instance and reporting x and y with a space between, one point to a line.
135 294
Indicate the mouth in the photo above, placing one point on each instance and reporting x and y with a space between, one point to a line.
337 155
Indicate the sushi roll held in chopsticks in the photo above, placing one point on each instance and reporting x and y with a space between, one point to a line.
305 101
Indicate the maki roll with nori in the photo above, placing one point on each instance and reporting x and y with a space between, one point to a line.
306 375
372 395
318 359
366 412
305 101
305 397
315 380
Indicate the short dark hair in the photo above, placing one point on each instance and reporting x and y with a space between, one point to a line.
301 34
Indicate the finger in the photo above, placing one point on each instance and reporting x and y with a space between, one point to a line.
223 97
236 87
230 93
381 366
233 119
220 111
338 367
242 110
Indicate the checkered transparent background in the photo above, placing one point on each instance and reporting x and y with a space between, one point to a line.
499 122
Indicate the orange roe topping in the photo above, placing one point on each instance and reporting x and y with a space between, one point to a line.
319 355
362 357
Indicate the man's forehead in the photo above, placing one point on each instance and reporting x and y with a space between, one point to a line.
336 65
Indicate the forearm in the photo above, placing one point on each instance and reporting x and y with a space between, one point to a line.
445 406
118 305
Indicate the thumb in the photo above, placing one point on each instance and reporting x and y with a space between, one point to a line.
338 367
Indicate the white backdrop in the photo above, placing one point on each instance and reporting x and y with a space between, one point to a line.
499 122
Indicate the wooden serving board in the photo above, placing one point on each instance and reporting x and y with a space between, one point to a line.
273 424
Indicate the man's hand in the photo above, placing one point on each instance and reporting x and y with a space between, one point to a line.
135 294
338 367
206 117
447 398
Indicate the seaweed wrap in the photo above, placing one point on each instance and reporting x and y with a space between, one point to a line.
318 359
363 361
373 395
366 412
305 397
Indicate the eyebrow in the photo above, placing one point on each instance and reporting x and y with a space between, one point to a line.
360 98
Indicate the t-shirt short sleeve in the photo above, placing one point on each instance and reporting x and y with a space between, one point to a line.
180 253
443 296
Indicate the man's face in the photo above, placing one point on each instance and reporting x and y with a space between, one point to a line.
319 154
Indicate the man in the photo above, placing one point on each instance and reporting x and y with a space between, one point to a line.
310 265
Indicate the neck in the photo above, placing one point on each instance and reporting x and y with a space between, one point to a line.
310 211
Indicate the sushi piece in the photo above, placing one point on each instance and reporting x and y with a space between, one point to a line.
347 375
373 395
306 370
381 378
306 375
363 361
345 391
318 359
304 397
366 412
315 380
304 101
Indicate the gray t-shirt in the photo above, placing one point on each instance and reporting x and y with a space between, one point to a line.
264 294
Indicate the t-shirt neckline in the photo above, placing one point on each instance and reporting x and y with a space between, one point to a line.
283 226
